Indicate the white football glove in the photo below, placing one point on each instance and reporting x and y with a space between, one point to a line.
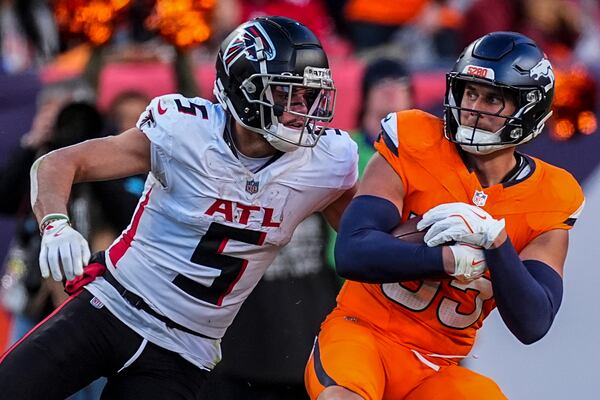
63 245
469 262
460 222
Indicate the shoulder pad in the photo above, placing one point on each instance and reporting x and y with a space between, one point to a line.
172 120
338 144
567 193
389 131
411 130
560 197
337 153
174 107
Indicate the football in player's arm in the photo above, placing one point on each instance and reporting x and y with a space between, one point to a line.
228 184
496 223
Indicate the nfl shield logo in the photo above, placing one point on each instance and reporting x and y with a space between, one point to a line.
479 198
252 186
96 303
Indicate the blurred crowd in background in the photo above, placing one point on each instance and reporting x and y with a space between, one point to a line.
158 46
71 70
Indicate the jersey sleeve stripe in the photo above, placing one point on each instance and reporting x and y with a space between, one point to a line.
570 221
577 212
389 142
117 251
573 217
324 379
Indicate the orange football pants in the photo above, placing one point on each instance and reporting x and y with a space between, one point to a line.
348 352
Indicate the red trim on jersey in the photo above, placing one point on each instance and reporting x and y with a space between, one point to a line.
230 288
118 249
222 245
11 348
261 239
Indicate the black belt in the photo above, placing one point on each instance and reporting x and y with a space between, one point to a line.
140 304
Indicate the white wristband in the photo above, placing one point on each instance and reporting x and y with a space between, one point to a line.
52 217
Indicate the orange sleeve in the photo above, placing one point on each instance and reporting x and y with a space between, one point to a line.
386 147
567 218
563 199
409 139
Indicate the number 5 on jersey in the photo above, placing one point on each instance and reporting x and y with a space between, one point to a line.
208 253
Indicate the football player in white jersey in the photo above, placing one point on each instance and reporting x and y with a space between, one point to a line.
228 184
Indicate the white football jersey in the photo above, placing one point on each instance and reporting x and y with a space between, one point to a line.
206 228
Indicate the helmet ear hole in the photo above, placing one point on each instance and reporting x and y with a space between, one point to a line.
516 133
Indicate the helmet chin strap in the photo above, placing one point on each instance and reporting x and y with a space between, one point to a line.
469 134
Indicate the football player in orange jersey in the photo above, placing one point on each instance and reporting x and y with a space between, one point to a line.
497 224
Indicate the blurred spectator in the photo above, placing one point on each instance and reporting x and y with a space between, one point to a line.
568 32
125 109
588 45
226 17
44 135
107 206
28 34
24 293
271 337
372 23
17 109
421 31
336 10
555 25
311 13
386 87
14 201
61 122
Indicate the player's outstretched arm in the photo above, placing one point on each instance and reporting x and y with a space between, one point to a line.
528 286
365 249
51 179
528 293
93 160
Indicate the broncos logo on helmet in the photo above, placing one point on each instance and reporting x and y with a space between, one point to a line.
543 69
250 40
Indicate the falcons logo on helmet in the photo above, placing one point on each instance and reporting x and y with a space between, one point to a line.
246 43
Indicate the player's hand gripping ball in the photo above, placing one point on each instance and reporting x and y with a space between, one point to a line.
469 260
460 222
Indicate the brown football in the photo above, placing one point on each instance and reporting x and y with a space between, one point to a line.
408 231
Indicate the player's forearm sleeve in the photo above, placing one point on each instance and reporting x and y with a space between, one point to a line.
366 252
528 294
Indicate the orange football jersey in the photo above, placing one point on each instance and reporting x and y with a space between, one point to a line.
441 317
